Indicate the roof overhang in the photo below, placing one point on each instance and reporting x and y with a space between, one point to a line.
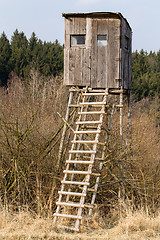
94 14
116 15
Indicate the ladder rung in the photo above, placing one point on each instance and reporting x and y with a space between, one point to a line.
95 94
91 190
67 216
82 151
99 159
73 89
70 228
89 205
77 172
81 132
98 106
84 141
89 122
96 174
119 106
75 183
103 144
72 204
92 112
117 91
72 105
79 162
97 90
92 103
72 193
89 127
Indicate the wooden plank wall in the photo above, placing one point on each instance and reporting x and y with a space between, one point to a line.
114 54
75 58
86 67
94 54
66 67
102 55
86 58
99 56
77 25
126 67
97 66
105 65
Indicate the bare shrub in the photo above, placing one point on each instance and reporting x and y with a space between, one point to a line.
30 131
143 166
29 140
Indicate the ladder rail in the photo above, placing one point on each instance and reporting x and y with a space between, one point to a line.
82 138
82 200
101 163
67 167
84 191
64 129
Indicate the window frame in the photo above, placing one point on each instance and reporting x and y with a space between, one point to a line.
102 42
77 44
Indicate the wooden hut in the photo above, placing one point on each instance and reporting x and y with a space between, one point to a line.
97 50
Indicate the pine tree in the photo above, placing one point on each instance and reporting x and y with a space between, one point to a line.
20 54
5 54
146 74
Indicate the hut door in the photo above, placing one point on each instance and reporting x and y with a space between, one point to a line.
99 53
79 61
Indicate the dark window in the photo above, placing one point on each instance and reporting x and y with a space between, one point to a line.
126 43
101 40
77 40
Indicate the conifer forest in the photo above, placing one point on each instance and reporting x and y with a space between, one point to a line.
20 55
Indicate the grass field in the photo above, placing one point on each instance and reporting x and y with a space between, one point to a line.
136 225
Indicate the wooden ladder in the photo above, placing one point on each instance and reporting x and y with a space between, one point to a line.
85 159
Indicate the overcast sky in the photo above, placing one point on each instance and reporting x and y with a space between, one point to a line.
44 17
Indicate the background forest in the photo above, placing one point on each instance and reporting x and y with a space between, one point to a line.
20 55
31 94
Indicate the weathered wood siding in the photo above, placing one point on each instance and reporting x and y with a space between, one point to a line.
76 58
114 54
98 66
126 66
99 59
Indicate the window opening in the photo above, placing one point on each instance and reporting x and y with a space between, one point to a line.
77 40
126 43
101 40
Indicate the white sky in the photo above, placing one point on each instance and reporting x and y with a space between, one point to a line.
44 17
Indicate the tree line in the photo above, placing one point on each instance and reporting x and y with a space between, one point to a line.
145 74
20 55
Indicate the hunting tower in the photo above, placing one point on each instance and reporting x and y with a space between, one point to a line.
97 50
97 66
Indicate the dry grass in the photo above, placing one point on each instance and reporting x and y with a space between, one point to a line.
24 225
136 225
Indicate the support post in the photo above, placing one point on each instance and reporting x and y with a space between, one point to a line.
128 129
64 129
121 164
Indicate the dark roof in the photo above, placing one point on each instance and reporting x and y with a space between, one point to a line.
93 14
117 15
